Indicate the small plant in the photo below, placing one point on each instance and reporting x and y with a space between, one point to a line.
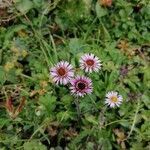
63 73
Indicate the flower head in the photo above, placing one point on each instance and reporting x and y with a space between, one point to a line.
81 86
62 72
90 62
113 99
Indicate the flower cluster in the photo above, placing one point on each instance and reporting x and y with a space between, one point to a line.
63 73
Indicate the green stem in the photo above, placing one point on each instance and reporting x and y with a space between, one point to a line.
54 47
78 108
28 77
93 102
1 54
134 120
38 38
121 120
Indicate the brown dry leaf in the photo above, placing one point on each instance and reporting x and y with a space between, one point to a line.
2 104
105 3
43 84
120 134
58 41
20 107
42 91
3 12
12 111
120 138
8 66
5 15
9 106
53 129
22 33
54 28
70 133
123 45
123 146
33 93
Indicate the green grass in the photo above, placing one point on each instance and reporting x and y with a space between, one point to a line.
42 33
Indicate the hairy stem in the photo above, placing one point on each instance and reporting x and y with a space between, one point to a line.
78 107
134 120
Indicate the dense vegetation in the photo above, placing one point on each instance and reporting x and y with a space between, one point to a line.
37 114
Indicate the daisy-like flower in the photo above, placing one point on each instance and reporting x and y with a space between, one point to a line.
81 86
113 99
62 72
90 62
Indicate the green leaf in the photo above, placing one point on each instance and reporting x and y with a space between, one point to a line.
75 45
137 146
3 121
145 99
80 137
34 145
10 33
100 12
67 100
49 102
38 3
11 76
64 115
106 145
146 76
92 119
2 75
24 6
104 33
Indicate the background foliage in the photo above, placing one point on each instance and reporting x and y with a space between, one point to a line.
36 114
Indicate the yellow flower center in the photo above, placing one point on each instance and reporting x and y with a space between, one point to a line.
114 99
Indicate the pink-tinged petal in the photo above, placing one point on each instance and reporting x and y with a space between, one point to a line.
110 101
81 86
55 79
70 74
65 81
53 69
112 105
90 63
53 73
86 69
62 72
